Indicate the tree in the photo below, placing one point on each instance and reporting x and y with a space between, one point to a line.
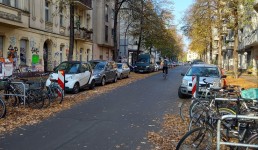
238 15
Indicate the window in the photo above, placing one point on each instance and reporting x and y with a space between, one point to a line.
47 12
113 14
12 3
77 21
106 33
113 31
23 49
1 45
61 53
61 16
84 67
80 54
106 13
88 53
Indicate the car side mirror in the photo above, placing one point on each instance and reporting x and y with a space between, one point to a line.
182 74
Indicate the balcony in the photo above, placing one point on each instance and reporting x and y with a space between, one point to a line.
250 40
82 35
85 4
13 16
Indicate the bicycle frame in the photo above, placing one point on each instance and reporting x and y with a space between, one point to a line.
219 142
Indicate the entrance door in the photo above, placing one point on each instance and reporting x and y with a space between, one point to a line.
45 56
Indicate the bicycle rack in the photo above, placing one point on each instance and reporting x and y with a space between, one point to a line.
232 143
22 95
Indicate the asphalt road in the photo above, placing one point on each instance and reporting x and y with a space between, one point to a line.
120 119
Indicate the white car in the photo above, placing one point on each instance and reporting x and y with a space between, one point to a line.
78 75
206 72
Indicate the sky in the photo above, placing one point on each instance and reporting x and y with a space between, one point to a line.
179 8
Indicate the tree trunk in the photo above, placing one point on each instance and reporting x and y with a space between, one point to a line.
235 54
70 55
220 36
115 30
140 36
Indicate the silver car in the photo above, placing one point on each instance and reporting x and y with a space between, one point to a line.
211 74
123 70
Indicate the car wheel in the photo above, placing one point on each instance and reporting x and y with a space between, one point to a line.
76 88
181 95
121 76
115 79
92 85
103 81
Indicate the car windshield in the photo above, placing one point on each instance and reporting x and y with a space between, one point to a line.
98 65
119 66
204 71
143 60
69 68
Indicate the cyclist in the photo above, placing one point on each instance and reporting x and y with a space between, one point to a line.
165 66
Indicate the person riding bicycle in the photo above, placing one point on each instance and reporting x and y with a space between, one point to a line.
165 66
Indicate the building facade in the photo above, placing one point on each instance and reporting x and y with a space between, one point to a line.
103 28
36 33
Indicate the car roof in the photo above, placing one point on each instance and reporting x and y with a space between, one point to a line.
74 61
204 65
101 61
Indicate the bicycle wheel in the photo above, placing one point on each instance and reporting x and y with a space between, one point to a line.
56 94
197 139
34 98
11 99
2 109
252 140
198 119
46 97
196 106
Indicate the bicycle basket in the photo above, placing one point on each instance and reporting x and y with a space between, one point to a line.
251 93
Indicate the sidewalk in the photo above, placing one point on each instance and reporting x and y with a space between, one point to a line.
251 78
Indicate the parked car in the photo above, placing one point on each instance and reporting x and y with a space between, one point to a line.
197 61
156 67
211 74
123 70
160 64
104 71
145 63
78 75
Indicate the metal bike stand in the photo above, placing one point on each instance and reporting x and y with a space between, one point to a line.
235 99
21 95
231 143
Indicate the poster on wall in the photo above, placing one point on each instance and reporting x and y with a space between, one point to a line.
8 69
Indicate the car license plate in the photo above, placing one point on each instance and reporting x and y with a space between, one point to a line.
140 70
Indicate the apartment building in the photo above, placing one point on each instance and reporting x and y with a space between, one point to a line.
103 27
36 32
191 55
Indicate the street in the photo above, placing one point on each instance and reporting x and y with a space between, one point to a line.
119 119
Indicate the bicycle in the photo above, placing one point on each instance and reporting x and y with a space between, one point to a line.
18 93
2 108
165 75
54 92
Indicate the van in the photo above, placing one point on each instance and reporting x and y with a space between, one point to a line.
145 63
